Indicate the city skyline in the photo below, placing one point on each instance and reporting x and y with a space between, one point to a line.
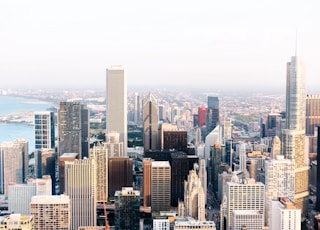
74 44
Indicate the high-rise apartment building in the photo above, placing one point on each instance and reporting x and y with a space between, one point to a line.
284 215
51 212
116 98
44 133
150 124
127 209
312 113
13 163
160 186
73 123
100 155
293 137
80 186
244 196
213 113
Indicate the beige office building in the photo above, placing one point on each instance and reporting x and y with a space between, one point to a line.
160 186
80 186
117 103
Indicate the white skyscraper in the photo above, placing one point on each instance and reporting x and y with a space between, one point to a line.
293 137
117 103
243 157
244 195
80 186
284 215
279 181
113 145
203 176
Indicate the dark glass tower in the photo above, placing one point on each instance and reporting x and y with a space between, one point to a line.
213 113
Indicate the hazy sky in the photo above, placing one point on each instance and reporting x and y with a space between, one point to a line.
72 42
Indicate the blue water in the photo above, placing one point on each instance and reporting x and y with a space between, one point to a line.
11 132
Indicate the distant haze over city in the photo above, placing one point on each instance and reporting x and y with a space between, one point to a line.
238 43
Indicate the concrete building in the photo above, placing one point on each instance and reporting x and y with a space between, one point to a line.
113 145
73 128
51 212
19 195
279 181
127 209
161 224
284 215
100 155
116 99
160 186
150 123
194 224
293 137
44 133
247 219
14 163
244 195
17 221
203 176
62 161
80 186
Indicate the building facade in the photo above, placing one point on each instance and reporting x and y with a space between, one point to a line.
127 209
150 123
80 186
51 212
116 98
73 126
160 186
44 133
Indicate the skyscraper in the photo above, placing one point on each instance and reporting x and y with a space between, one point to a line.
44 130
73 122
244 196
147 182
160 186
80 185
12 164
137 108
293 137
127 209
117 103
202 113
212 114
150 124
100 155
312 113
